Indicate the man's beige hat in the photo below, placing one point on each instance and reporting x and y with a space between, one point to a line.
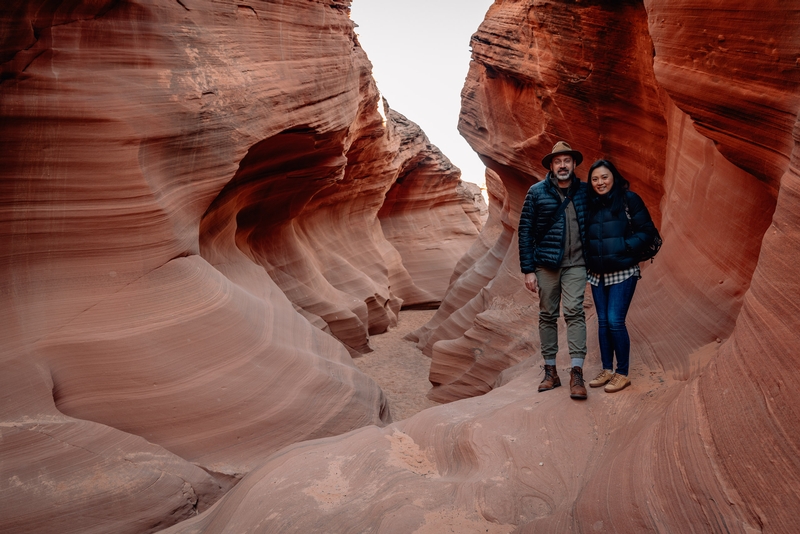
562 148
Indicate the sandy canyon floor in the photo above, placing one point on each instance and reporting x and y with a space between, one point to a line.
399 367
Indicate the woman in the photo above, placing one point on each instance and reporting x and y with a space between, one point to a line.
618 225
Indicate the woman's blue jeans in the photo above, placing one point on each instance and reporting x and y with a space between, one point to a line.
612 303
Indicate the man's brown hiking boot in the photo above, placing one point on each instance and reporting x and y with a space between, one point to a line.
551 379
576 388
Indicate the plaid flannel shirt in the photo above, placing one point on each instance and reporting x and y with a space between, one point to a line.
617 277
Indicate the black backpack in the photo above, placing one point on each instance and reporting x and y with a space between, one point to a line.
652 248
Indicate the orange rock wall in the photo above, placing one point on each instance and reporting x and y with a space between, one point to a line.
532 82
191 249
724 115
698 105
204 213
746 99
421 217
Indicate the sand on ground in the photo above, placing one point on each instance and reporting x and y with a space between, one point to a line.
399 367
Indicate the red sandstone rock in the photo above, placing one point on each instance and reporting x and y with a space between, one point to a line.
135 336
62 474
486 464
705 439
508 115
421 217
189 246
727 142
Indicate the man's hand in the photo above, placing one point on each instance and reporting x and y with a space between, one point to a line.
530 282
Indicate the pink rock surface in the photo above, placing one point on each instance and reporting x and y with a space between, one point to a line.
194 234
705 439
530 84
421 217
190 249
72 475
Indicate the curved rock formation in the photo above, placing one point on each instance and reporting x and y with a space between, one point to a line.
202 238
190 245
420 216
706 438
66 474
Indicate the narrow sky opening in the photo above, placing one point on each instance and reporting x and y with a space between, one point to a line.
420 53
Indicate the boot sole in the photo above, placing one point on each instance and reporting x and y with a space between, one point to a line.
620 389
548 389
578 397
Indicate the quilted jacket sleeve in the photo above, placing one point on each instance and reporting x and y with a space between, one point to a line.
526 233
643 228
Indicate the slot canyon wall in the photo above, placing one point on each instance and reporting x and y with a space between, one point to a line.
201 226
698 105
204 215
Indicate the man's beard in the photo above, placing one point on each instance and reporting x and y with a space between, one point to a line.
568 178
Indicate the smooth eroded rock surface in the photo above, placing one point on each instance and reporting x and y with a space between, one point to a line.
205 215
705 438
191 249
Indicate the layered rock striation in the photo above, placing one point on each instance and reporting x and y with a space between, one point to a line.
698 106
222 217
192 246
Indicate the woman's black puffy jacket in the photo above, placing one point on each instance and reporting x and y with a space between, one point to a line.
610 242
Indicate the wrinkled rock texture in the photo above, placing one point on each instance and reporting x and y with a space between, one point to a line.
203 213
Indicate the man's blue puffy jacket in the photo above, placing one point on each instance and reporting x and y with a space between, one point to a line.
541 203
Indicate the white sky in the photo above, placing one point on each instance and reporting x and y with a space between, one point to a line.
420 55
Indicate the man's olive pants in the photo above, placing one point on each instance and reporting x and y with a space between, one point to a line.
567 286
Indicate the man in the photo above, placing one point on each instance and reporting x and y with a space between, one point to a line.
551 235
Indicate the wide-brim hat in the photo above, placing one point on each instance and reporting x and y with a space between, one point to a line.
559 149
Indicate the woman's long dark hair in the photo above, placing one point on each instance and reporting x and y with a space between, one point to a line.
617 194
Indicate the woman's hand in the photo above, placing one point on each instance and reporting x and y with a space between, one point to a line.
530 282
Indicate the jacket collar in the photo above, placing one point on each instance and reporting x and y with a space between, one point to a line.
553 183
